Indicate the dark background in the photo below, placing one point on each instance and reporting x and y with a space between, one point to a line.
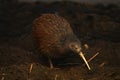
97 25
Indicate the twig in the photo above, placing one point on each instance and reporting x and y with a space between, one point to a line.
93 57
31 67
86 46
2 78
56 77
30 70
102 64
3 74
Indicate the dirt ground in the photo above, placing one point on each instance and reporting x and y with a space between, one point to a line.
96 25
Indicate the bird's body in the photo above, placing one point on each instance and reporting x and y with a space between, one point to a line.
54 36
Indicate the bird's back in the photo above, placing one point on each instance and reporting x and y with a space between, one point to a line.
48 31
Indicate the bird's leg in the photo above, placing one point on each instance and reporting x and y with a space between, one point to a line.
50 63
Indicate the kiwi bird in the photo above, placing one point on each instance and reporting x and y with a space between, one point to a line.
54 36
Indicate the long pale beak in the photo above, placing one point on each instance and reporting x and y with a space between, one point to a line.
83 57
75 47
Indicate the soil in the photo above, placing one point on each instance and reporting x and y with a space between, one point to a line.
96 25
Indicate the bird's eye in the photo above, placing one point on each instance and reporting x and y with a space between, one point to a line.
76 48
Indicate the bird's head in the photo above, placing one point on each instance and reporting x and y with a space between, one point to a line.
72 43
76 48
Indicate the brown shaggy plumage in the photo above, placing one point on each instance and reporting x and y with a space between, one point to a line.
54 36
